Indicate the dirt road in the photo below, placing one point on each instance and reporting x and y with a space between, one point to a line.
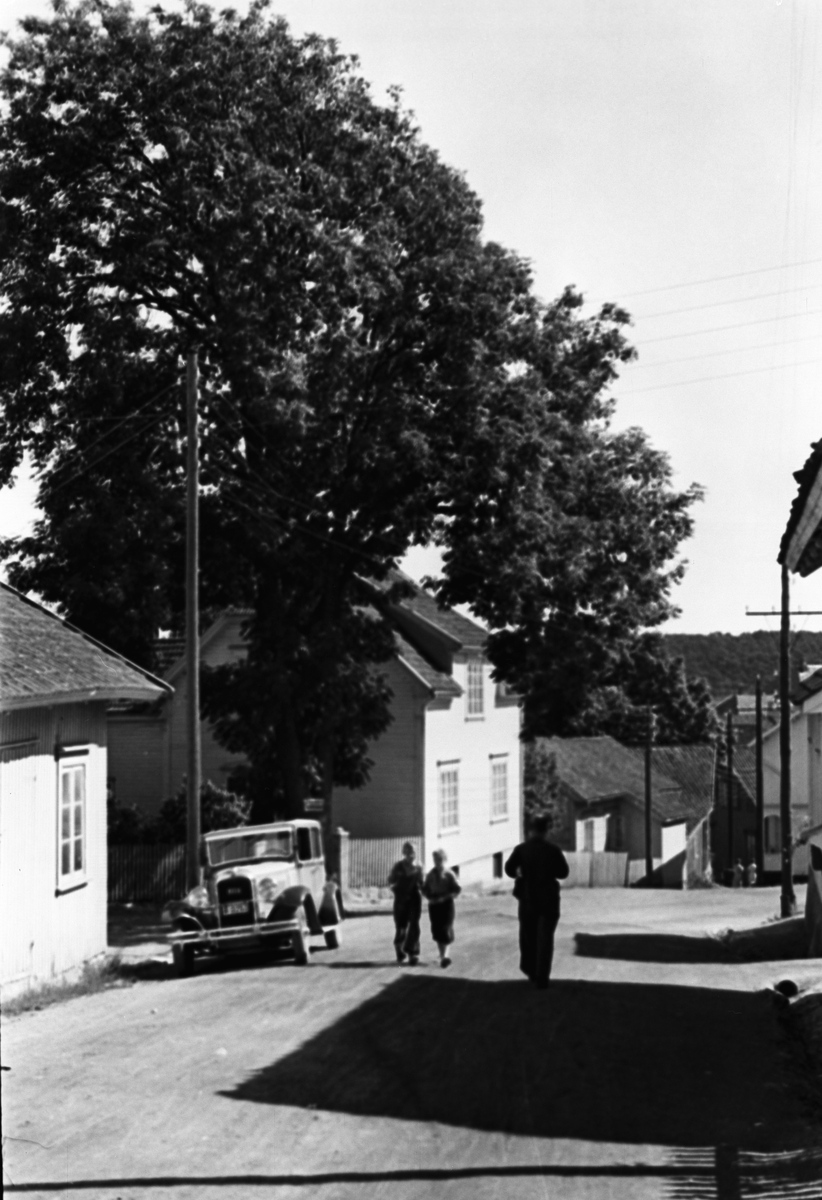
650 1068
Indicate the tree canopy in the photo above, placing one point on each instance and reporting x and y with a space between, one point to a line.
375 375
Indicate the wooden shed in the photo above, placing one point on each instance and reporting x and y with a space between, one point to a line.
55 686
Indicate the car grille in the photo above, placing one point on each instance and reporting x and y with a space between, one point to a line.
235 891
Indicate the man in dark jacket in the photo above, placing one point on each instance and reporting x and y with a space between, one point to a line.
537 866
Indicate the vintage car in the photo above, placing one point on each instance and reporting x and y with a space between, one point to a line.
263 885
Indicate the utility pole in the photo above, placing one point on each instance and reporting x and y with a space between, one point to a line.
760 787
729 788
788 899
192 626
649 742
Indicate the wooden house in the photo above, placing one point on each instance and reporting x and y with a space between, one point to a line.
55 686
601 786
446 771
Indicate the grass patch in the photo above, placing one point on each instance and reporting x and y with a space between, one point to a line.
98 976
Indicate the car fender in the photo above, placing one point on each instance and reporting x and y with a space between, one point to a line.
290 900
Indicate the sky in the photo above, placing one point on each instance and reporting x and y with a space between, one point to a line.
666 156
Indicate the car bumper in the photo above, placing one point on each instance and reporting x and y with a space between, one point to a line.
238 935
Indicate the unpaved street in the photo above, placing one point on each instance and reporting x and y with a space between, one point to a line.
650 1068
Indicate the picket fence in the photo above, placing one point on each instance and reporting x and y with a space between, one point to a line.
371 859
146 873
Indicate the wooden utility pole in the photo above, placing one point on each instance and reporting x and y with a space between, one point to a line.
192 627
649 742
729 785
788 899
760 787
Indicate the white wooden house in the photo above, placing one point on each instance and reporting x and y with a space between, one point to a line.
806 777
446 772
55 686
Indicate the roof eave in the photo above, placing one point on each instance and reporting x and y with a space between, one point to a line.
81 696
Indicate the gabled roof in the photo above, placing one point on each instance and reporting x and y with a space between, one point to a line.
601 768
801 545
463 630
692 768
170 653
439 683
45 660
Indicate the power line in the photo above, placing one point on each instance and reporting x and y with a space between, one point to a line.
669 337
665 362
731 375
85 470
671 287
128 417
673 312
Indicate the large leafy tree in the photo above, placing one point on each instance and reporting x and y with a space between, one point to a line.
374 373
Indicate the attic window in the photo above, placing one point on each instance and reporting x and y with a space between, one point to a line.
475 700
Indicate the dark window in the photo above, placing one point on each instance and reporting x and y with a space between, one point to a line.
316 844
498 866
304 844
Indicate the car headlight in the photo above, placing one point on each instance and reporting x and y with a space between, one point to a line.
198 897
267 890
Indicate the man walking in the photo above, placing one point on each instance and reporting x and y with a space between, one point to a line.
537 866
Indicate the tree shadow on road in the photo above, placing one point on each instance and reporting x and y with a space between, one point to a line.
603 1061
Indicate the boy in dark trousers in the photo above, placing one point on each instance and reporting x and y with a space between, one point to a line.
405 882
537 865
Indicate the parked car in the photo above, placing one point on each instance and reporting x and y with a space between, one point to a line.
263 885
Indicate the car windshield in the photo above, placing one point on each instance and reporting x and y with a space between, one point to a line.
275 844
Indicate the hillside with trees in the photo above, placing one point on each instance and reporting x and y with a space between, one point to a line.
731 662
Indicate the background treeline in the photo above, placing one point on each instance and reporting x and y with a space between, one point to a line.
731 662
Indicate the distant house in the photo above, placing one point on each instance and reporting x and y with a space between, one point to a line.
446 771
603 783
55 686
806 775
147 742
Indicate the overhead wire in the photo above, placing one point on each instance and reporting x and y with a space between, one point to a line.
674 312
672 287
669 337
665 362
730 375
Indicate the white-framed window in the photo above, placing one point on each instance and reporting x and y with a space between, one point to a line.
72 842
499 789
588 835
448 797
773 835
475 697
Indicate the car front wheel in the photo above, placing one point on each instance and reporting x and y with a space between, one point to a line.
299 939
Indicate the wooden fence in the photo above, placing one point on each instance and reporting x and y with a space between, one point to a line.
371 859
601 868
146 873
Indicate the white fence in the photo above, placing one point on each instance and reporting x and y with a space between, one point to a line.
371 859
601 868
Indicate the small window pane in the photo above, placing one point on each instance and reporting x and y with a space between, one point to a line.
66 787
78 854
65 823
78 820
475 697
79 779
65 858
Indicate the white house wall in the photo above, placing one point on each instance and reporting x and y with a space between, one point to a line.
449 736
805 778
46 934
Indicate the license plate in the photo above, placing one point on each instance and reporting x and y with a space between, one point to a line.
239 906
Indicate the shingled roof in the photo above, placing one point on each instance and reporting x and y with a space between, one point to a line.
692 768
601 768
439 683
45 660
